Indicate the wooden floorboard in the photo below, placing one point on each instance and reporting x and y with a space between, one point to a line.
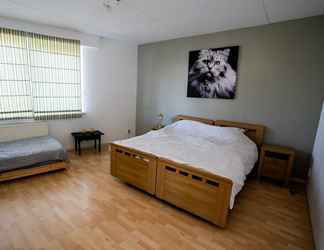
85 208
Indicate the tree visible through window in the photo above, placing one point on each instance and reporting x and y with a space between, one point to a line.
39 76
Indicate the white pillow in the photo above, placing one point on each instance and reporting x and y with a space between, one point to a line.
209 132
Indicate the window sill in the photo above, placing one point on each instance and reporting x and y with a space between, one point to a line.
31 120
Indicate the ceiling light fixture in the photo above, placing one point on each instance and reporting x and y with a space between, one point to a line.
109 4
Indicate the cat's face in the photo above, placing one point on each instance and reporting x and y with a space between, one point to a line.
211 63
211 75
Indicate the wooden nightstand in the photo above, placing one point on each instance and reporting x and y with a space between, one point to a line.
276 162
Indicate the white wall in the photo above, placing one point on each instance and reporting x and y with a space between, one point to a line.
109 82
316 186
109 87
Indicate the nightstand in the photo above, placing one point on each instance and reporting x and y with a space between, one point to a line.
276 162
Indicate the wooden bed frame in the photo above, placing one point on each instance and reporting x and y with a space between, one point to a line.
200 192
24 172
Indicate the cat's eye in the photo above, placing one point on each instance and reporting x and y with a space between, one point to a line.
205 61
217 62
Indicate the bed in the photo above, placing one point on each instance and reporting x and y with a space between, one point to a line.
196 164
22 156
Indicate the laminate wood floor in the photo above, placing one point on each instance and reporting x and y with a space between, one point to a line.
86 208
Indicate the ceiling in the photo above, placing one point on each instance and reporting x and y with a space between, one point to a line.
144 21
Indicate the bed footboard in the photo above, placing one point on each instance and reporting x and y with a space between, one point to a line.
198 192
134 167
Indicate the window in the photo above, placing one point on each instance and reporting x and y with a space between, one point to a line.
39 76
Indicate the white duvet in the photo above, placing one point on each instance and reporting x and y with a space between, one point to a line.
222 151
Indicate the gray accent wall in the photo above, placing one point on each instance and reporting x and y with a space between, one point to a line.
280 81
316 187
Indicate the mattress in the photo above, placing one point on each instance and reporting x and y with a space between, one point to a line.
29 152
232 159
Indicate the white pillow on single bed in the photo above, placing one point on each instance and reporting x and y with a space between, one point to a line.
209 132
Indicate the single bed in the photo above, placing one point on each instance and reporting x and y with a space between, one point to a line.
195 164
30 156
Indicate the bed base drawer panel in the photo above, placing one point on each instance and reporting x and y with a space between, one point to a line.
193 191
134 168
19 173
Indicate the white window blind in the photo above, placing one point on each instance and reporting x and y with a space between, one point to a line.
39 76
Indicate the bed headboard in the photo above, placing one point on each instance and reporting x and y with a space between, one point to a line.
16 131
254 131
193 118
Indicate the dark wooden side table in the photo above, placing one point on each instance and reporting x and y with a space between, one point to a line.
276 162
87 136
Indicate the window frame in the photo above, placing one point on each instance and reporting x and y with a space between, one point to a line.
50 115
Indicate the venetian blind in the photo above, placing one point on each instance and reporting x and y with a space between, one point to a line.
39 76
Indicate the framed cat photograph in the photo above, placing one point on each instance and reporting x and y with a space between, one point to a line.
213 73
